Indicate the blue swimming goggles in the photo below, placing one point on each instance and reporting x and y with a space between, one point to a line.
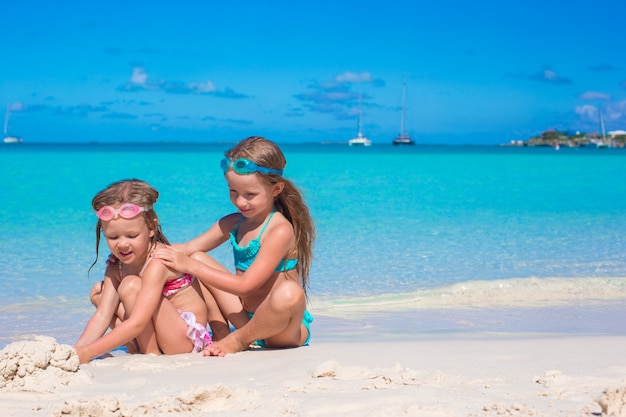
245 167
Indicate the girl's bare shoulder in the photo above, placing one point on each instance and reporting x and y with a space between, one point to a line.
280 226
156 267
228 222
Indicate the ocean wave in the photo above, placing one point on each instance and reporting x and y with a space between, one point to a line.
514 293
39 304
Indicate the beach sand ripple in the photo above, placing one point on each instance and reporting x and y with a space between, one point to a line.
38 365
196 400
394 375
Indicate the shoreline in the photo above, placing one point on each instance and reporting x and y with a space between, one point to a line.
364 323
544 375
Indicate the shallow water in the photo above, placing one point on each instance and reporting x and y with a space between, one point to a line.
390 221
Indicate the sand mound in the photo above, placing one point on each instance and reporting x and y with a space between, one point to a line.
613 402
38 365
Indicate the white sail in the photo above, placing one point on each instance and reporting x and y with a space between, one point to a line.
403 138
9 138
6 122
360 140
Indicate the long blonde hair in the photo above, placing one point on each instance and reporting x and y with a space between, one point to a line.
289 202
130 191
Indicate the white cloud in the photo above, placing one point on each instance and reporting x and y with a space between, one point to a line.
587 112
339 96
549 74
615 111
207 87
353 77
17 106
139 82
139 76
594 95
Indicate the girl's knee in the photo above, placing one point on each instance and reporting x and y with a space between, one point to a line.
129 286
287 295
96 292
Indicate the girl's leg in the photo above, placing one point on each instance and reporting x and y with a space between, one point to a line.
95 296
96 292
171 329
229 305
128 290
217 322
277 320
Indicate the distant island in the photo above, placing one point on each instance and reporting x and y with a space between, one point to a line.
556 138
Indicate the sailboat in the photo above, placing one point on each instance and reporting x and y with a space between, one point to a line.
9 138
599 142
603 143
403 138
360 140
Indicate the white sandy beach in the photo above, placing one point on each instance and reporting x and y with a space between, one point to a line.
476 375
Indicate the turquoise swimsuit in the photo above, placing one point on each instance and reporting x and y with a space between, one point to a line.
244 256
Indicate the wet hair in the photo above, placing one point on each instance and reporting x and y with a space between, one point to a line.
130 191
289 202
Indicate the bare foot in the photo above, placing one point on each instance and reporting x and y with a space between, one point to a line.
229 344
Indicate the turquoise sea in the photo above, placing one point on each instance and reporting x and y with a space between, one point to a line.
411 241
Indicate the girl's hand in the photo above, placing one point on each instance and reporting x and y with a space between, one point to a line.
83 354
172 258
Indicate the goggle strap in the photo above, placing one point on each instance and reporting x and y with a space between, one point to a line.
245 167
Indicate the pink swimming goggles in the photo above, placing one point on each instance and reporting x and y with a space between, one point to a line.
127 211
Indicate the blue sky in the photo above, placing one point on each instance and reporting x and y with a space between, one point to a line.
482 72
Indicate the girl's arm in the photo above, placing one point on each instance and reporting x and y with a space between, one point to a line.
277 242
148 298
212 238
105 311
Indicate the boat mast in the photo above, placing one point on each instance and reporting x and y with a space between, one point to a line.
6 121
403 105
602 124
360 121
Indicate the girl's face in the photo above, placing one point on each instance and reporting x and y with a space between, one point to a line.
251 194
128 239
